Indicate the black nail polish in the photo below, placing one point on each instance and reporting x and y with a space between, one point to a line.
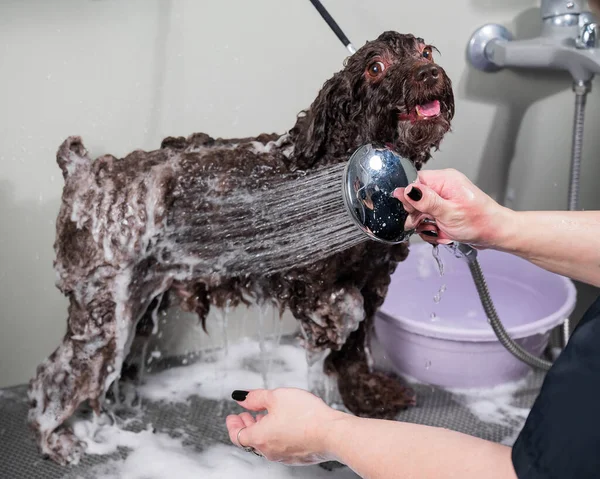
433 234
415 194
239 395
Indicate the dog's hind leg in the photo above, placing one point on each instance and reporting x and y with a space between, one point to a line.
102 317
80 369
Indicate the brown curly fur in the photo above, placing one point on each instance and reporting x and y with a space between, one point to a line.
115 265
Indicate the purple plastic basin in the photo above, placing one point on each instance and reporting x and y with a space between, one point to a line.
450 343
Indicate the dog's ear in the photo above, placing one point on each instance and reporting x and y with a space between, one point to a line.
324 126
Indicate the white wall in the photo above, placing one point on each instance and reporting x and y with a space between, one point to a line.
126 73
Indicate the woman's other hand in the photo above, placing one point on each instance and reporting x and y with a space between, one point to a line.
294 429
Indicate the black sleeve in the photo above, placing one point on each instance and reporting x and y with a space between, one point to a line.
561 437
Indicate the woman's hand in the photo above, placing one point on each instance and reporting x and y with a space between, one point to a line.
294 430
461 211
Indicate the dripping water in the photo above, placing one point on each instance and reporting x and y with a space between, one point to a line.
438 259
215 350
319 383
440 264
245 322
224 324
144 354
277 323
223 319
262 313
222 349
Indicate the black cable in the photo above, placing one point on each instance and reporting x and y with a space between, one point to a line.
332 24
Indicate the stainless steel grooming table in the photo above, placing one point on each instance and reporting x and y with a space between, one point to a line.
203 422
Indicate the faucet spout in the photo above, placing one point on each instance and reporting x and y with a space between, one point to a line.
545 53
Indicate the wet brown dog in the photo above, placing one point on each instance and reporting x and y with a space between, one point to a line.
115 265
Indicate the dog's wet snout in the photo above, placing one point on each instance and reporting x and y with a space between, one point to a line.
427 74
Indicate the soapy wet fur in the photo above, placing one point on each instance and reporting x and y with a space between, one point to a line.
117 263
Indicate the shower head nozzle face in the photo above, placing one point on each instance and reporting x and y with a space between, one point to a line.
371 175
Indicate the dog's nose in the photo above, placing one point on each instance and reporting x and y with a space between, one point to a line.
427 73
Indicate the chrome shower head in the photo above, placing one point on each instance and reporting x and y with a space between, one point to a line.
371 175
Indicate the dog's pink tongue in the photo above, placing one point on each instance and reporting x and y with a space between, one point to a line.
429 109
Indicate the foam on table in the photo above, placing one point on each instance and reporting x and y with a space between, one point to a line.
158 455
240 368
496 405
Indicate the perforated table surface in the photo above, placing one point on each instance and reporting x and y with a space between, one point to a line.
202 421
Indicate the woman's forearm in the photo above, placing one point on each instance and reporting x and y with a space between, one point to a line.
377 449
564 242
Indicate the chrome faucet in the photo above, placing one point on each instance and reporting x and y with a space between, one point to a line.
569 41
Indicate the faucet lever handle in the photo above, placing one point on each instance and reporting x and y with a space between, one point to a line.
588 36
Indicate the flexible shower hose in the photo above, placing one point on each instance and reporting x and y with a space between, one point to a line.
580 98
490 311
577 147
480 283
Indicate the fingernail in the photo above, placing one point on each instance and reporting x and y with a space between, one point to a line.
415 194
430 233
239 395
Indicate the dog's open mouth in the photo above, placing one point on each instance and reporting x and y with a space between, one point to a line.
425 111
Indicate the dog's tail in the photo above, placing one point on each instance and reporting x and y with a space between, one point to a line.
71 155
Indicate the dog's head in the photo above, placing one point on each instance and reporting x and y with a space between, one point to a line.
390 91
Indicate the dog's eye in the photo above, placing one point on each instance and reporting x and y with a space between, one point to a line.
375 69
428 53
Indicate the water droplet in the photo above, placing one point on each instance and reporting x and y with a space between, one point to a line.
438 296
